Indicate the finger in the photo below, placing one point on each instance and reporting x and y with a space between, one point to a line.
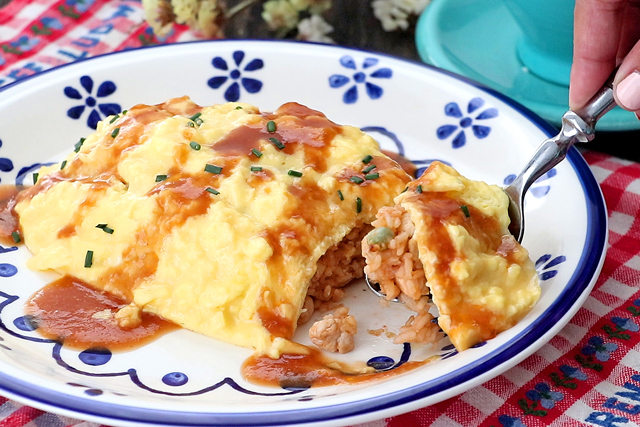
630 33
596 39
626 85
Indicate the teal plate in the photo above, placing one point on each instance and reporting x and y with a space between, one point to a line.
478 40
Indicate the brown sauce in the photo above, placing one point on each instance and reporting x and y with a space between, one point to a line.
65 311
311 370
407 165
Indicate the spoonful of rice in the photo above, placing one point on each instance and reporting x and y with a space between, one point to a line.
451 201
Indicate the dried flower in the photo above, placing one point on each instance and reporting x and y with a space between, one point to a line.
204 16
159 15
394 14
312 6
280 15
315 29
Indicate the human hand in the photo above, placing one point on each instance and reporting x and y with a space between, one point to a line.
606 33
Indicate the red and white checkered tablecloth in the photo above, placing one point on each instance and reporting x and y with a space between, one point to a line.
587 375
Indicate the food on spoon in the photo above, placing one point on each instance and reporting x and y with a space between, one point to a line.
447 238
221 219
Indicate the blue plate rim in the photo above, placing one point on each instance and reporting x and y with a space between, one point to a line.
581 281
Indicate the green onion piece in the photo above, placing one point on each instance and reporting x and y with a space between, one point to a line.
465 209
194 145
294 173
358 204
256 152
213 191
16 237
88 259
271 126
124 112
367 159
405 190
115 132
35 177
78 145
160 178
195 117
105 228
212 169
277 143
256 168
191 124
340 195
63 164
369 168
372 176
419 189
238 107
116 117
357 179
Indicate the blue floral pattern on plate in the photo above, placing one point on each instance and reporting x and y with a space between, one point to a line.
234 74
360 76
97 110
466 122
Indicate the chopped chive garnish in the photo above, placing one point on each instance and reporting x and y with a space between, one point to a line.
194 145
465 209
16 237
357 179
256 152
419 189
369 168
276 142
367 159
88 259
105 228
340 195
405 190
116 117
213 191
212 169
115 132
160 178
195 117
63 164
78 145
271 126
35 177
124 112
372 176
238 107
256 168
294 173
358 204
191 124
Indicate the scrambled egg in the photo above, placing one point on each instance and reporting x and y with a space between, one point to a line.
481 279
213 218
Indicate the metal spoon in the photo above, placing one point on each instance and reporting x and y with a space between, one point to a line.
577 126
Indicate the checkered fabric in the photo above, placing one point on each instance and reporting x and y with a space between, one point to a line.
587 375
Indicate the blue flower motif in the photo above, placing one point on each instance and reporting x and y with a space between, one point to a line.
571 372
232 93
25 43
598 348
544 266
80 5
626 324
53 23
359 77
6 165
509 421
105 89
452 109
540 188
543 393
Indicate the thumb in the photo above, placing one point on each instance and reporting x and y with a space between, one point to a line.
626 85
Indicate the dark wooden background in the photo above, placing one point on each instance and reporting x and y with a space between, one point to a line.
356 26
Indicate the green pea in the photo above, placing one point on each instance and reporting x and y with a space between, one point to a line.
380 236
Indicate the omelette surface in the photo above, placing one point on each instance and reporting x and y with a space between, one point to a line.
211 217
481 279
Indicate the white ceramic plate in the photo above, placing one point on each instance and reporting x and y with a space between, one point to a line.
186 379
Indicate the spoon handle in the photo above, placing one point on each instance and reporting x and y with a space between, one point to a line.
577 126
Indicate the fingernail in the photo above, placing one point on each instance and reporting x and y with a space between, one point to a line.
628 91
